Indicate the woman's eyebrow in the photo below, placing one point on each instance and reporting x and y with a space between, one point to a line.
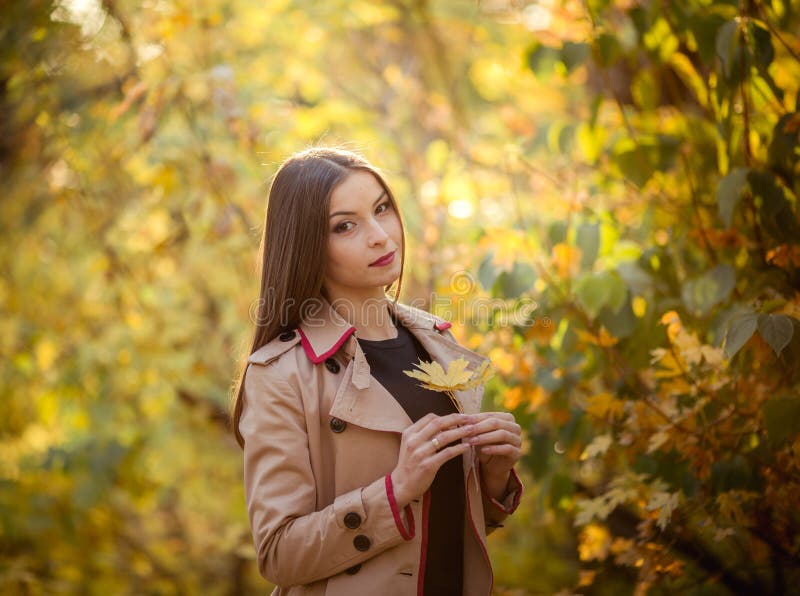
375 202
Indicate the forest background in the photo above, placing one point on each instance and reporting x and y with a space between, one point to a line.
602 195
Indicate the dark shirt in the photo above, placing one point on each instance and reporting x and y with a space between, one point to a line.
444 559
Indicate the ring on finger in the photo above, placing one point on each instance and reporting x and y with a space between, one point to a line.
435 441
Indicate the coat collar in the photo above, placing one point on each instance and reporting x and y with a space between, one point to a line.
324 332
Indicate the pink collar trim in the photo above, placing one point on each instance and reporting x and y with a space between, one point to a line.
317 358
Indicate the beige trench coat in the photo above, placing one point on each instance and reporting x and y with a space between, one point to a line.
321 439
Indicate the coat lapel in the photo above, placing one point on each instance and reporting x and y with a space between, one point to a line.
360 399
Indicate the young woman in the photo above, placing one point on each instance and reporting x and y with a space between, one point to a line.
358 481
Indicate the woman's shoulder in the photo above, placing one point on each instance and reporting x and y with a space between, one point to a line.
413 316
275 348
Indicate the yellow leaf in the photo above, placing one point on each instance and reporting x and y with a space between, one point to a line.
586 578
639 306
456 378
566 259
603 339
668 366
506 246
621 545
605 404
594 543
512 398
673 323
503 360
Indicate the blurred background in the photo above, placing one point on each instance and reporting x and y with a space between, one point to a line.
602 195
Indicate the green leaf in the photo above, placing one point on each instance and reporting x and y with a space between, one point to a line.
705 28
621 323
574 54
557 232
511 284
729 192
739 331
487 273
606 49
636 278
777 331
763 52
588 240
730 52
635 166
596 290
782 154
702 293
542 59
782 418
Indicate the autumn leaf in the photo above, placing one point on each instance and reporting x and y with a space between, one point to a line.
604 404
566 259
598 446
665 503
594 543
603 338
457 377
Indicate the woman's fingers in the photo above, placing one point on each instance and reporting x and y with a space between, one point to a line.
496 421
430 426
504 450
496 437
440 457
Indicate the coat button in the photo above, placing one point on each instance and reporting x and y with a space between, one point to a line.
332 365
352 520
353 570
338 425
361 542
286 336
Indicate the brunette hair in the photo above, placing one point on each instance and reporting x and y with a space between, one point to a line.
293 246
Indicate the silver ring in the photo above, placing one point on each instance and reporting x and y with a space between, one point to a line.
435 442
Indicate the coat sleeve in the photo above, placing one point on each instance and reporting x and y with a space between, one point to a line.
494 511
296 544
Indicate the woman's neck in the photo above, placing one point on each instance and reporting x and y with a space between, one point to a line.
370 315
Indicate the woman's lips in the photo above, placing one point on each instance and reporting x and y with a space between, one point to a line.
384 260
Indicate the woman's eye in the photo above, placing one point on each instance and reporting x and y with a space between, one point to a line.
344 226
383 207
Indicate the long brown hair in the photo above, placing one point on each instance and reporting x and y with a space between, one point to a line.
293 246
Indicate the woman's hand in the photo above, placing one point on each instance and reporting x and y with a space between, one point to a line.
421 457
498 439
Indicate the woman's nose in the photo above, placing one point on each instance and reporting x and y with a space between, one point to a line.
377 235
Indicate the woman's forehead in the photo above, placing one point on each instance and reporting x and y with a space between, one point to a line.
358 190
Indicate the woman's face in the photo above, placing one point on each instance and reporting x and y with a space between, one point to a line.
365 239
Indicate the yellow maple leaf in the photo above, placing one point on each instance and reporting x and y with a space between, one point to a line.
457 377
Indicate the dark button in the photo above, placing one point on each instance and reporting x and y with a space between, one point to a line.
352 520
338 425
361 542
332 365
286 336
353 570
